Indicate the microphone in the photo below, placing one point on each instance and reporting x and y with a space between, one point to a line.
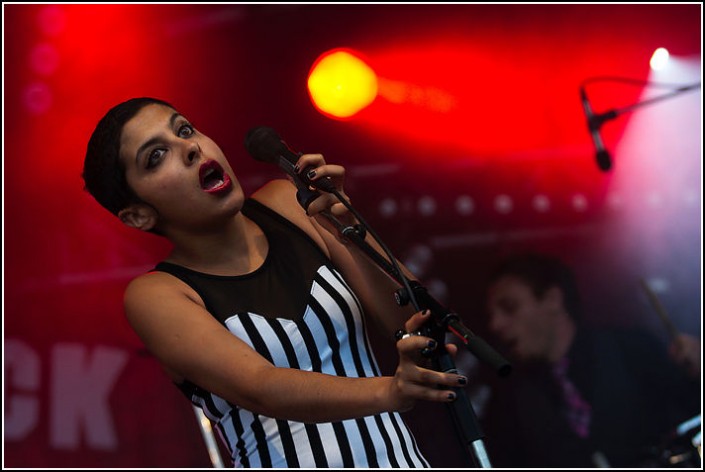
594 122
265 145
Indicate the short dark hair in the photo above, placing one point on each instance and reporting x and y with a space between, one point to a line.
103 173
541 272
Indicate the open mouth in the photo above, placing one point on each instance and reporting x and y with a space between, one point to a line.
212 177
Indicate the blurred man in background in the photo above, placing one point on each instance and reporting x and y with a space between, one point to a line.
579 396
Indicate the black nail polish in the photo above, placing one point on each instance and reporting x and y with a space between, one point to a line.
462 380
311 174
451 396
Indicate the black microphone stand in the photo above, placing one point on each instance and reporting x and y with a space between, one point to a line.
442 320
265 145
600 118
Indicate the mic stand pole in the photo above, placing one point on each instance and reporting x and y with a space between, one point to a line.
599 119
443 320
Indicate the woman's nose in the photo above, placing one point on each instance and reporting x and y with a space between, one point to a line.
193 152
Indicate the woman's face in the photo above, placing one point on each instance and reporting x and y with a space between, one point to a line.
182 174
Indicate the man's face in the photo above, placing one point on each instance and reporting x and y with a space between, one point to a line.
526 325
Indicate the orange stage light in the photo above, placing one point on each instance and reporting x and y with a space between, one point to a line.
341 84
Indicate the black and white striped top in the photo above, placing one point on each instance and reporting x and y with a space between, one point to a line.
296 311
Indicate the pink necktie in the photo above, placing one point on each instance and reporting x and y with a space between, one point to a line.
577 410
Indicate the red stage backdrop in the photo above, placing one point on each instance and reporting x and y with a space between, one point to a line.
477 147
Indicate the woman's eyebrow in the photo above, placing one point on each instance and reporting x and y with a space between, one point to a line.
156 139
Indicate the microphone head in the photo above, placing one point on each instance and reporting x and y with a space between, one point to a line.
604 161
264 144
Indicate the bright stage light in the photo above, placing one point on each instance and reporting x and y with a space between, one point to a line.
341 84
659 59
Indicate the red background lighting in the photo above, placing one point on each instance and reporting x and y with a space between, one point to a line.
477 101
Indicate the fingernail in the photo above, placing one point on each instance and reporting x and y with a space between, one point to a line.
431 344
426 312
296 168
311 174
462 380
451 396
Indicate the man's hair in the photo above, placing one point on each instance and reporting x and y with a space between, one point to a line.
103 172
541 272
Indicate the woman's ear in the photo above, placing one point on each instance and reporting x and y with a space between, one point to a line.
139 215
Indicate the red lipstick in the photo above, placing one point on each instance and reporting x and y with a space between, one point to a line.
213 178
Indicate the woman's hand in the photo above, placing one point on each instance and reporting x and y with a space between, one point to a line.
413 380
328 204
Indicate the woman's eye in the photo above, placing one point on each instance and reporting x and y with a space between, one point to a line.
154 157
185 131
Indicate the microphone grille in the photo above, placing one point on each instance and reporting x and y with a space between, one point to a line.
264 144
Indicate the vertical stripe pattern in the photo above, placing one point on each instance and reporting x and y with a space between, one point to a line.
331 339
